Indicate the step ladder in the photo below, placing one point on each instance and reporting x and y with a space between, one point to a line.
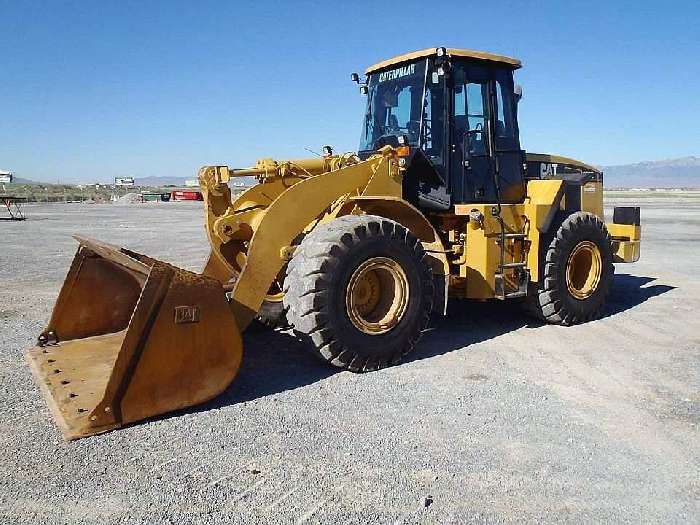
512 276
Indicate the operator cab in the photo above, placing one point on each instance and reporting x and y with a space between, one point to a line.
457 110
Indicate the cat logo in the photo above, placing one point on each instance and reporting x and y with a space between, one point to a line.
186 314
397 73
548 171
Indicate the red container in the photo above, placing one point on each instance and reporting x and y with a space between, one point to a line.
187 195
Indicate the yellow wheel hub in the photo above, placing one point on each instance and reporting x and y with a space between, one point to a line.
275 293
583 270
275 298
377 295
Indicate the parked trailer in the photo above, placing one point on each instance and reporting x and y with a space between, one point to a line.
155 197
187 195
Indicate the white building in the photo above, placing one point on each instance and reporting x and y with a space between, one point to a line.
6 176
124 181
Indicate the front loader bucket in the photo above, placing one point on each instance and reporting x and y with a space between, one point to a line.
131 337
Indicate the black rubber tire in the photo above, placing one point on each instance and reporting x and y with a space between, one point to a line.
316 283
550 300
273 314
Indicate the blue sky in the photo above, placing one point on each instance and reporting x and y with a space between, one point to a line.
93 90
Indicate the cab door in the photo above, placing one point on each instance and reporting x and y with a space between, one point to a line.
472 162
485 147
505 138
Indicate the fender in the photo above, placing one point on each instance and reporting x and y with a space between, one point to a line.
288 215
397 209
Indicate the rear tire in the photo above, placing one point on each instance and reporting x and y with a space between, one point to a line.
359 289
577 273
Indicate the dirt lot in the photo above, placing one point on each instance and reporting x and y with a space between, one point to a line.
495 418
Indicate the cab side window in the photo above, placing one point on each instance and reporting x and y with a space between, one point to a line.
432 134
506 127
470 109
477 96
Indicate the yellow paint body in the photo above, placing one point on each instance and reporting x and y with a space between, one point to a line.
592 198
626 242
250 236
482 248
158 338
162 339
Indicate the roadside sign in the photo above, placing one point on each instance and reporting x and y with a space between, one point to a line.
123 181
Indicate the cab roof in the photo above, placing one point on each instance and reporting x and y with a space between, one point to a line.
451 51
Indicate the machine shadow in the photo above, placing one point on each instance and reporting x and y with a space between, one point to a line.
275 361
470 322
629 291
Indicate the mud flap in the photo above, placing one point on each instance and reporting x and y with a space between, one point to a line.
132 337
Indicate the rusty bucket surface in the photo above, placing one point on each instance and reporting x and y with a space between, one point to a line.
131 337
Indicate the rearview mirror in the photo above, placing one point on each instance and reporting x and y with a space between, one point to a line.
354 77
518 92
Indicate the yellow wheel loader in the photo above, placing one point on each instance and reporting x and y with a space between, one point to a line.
354 251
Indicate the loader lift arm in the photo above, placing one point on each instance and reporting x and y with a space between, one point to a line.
252 240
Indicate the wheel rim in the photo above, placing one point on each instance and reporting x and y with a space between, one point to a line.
377 295
275 293
583 270
275 298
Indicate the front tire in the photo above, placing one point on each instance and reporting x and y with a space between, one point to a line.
272 313
578 272
360 290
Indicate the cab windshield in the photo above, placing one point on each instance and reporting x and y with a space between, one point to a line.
394 106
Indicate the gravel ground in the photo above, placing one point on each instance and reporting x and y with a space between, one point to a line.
495 419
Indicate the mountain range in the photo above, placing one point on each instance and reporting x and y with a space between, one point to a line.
180 181
683 172
161 181
671 173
